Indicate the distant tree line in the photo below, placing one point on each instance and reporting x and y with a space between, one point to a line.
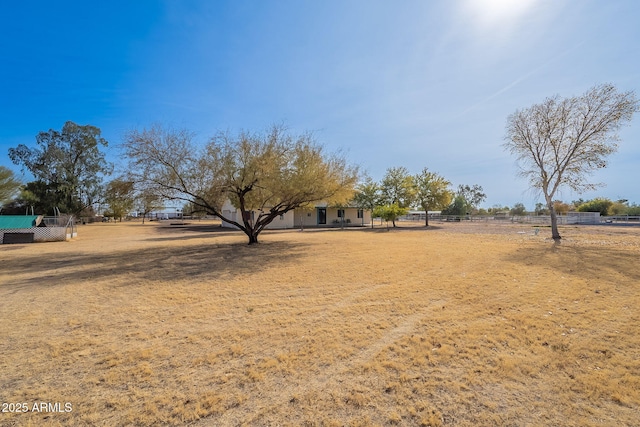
557 143
275 171
71 171
604 206
399 191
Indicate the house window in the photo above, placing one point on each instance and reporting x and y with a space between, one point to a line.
360 213
281 217
340 213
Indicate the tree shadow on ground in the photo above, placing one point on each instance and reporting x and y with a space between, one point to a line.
590 263
159 264
198 228
195 231
191 231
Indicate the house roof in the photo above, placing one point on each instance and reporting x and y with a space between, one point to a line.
9 222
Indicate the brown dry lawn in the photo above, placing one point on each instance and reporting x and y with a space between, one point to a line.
457 325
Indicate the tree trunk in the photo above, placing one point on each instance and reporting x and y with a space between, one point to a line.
253 237
426 218
555 235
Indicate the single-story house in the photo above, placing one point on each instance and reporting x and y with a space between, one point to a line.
231 212
321 215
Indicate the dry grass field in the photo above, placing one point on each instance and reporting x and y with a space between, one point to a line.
457 325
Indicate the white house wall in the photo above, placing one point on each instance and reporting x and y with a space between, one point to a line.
310 218
232 213
307 217
350 216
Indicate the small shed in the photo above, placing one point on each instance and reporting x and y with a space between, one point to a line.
29 229
19 228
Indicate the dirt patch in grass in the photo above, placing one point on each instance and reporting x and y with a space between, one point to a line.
458 324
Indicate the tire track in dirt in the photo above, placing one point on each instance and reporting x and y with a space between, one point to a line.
277 396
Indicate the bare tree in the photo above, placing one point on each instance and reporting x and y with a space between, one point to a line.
562 141
146 201
268 174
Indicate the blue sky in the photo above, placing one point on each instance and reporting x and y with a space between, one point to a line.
411 83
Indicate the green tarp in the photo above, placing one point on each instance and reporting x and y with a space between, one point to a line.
12 222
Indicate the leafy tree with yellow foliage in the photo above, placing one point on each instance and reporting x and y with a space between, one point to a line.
266 174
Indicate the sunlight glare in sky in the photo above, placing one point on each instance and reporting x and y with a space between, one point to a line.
414 83
496 15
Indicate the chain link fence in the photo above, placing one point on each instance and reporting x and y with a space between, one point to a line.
50 229
569 218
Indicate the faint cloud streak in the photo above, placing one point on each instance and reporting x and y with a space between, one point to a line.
519 80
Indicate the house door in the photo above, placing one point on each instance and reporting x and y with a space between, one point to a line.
322 215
